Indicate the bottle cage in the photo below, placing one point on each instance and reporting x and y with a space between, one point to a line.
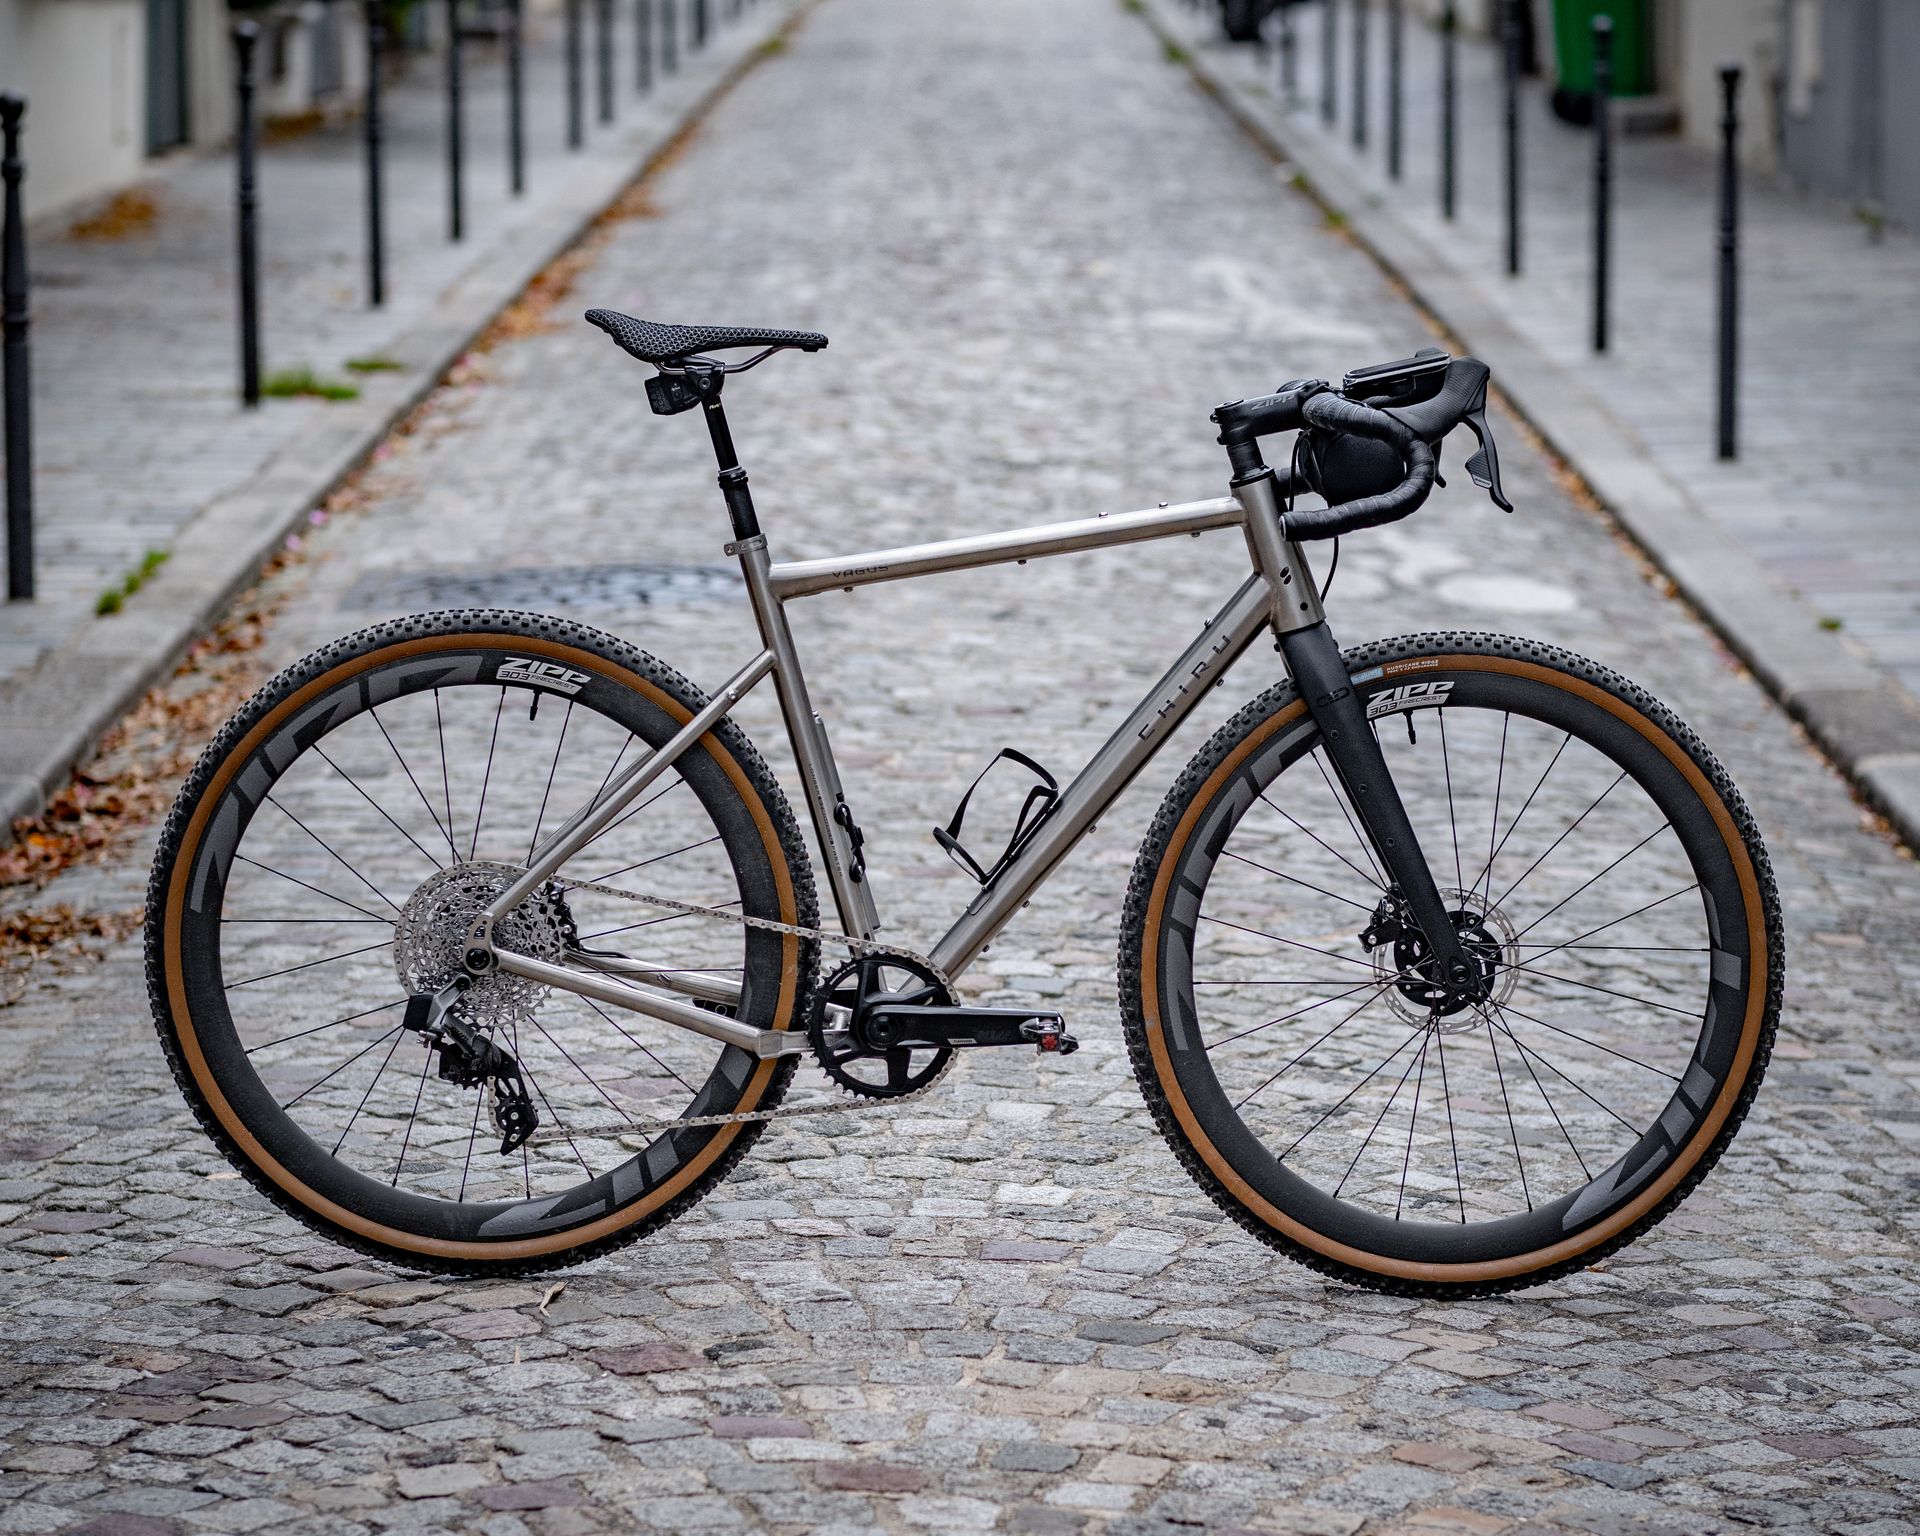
1039 804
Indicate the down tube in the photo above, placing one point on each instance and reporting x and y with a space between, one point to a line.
1153 720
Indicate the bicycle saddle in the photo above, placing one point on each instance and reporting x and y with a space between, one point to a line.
653 343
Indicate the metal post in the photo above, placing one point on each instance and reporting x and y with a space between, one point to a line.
13 327
603 56
1288 93
643 45
456 145
699 24
1602 176
246 36
1361 9
516 98
576 107
1729 446
669 36
375 126
1510 50
1329 61
1449 81
1396 42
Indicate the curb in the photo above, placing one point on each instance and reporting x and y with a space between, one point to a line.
1864 722
55 713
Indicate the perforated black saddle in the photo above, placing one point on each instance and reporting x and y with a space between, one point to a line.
657 344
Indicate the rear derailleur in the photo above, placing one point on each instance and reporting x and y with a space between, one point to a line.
470 1059
866 1027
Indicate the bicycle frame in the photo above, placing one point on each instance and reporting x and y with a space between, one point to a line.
1279 594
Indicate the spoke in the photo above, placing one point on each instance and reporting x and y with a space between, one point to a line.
229 922
1288 1017
657 858
1446 1098
307 965
1513 1128
1635 1060
1453 822
1366 907
1545 1061
473 845
1406 1163
446 786
385 1062
1656 949
473 1135
1392 1099
639 1044
322 751
1527 1062
445 830
1296 943
1369 1002
381 1040
1499 783
627 815
426 1060
1365 848
1487 873
608 778
546 794
653 922
1594 881
302 1034
1338 982
1334 1108
295 879
591 1083
1614 922
1525 968
329 847
526 1067
1562 837
1293 821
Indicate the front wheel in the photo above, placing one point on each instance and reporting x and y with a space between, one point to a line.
1594 857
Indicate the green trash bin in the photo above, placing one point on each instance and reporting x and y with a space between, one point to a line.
1573 52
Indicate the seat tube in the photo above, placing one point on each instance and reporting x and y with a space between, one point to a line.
1319 672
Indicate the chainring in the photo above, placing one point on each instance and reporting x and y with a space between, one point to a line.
834 1026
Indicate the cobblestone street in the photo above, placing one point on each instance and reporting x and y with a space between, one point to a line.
1042 256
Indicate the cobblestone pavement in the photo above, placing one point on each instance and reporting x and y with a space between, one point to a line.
1041 256
1822 490
137 418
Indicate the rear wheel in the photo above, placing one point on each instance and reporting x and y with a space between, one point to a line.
1600 867
325 859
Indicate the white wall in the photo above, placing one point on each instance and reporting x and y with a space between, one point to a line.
81 64
1706 33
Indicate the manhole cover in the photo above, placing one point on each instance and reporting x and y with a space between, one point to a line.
562 588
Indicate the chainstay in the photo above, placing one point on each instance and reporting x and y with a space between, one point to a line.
852 1103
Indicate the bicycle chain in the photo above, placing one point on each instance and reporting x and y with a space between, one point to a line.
798 930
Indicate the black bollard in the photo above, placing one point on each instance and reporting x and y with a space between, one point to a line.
576 106
13 328
643 45
1510 53
375 126
1729 446
1329 61
1396 43
699 24
246 37
456 143
1288 93
603 56
1449 81
669 36
1361 10
1602 176
516 98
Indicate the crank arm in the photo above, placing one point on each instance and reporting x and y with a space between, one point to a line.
964 1028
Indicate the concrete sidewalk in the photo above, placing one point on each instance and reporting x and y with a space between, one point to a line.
1804 553
140 440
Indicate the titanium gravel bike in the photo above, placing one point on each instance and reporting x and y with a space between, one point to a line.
484 941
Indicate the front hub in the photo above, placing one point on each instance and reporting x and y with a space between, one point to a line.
1418 988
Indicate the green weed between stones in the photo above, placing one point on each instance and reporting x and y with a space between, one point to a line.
291 382
111 600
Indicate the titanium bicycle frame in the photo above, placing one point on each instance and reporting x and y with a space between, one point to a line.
1279 594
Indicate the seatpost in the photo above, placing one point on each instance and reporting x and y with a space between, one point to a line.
733 479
